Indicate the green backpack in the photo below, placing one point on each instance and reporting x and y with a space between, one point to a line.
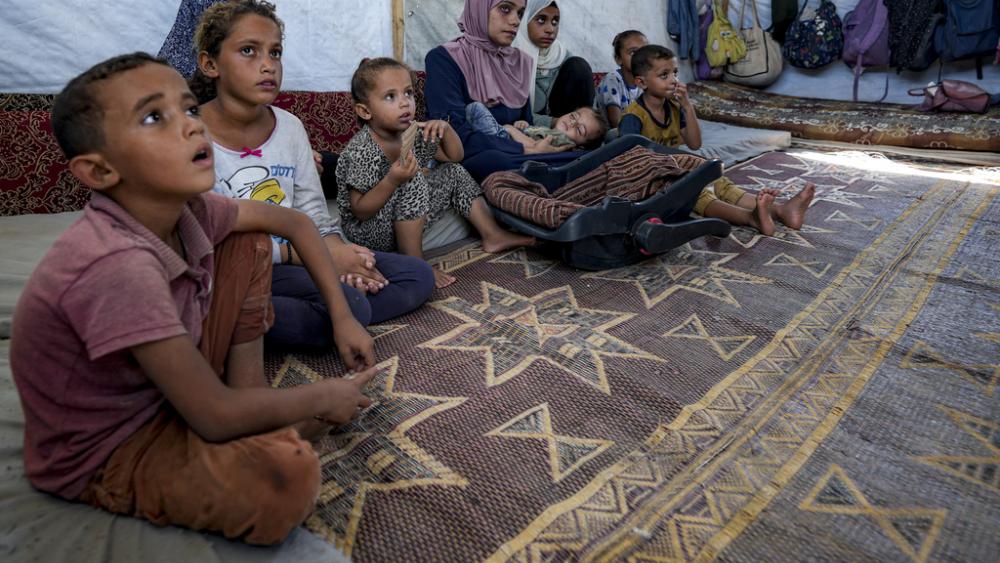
725 46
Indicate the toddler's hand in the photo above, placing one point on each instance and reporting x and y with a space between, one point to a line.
404 169
434 129
520 125
545 146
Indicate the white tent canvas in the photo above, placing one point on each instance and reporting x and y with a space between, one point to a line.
45 43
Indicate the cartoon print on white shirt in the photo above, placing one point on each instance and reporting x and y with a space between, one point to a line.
256 183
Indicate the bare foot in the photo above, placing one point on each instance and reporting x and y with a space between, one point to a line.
793 212
442 279
760 217
505 240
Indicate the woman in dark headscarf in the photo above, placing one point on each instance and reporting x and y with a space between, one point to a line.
482 66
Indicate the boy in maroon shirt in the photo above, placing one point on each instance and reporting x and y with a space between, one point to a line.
137 342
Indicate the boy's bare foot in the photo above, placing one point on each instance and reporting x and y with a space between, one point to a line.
505 240
442 279
793 212
760 217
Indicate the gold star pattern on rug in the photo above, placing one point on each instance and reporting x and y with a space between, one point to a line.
725 346
459 258
373 454
748 237
566 453
841 217
512 331
816 269
821 173
683 269
381 330
832 181
984 376
978 469
913 530
533 263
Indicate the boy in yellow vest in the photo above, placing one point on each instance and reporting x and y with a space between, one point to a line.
664 114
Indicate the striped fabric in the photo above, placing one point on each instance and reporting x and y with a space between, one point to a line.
635 175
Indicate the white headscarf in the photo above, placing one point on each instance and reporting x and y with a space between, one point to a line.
547 61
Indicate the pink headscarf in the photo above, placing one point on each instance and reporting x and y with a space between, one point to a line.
494 74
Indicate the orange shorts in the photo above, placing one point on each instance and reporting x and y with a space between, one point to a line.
258 488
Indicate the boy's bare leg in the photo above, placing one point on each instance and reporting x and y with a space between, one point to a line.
495 237
758 217
409 239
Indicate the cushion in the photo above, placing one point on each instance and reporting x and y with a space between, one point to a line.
34 177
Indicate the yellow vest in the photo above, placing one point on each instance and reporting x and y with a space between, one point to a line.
669 133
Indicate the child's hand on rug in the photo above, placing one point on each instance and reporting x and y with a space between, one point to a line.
520 125
346 397
355 345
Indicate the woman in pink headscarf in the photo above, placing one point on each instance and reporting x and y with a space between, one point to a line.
482 66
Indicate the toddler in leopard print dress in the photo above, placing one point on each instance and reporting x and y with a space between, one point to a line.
387 196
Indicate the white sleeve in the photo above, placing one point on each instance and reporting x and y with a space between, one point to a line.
308 193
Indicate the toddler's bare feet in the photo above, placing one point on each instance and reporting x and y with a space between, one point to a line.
505 240
760 217
793 212
442 279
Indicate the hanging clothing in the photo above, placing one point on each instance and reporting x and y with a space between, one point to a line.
682 25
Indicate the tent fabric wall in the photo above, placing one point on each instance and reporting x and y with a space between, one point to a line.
44 43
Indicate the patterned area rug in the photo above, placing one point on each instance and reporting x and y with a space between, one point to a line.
826 394
851 122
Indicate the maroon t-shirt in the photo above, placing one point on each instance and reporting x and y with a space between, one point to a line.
107 284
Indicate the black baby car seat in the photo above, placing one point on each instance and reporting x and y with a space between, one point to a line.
617 231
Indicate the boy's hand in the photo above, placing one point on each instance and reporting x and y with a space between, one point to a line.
681 94
520 125
434 129
346 397
404 169
356 346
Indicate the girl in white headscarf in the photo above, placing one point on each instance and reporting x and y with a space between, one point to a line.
563 83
